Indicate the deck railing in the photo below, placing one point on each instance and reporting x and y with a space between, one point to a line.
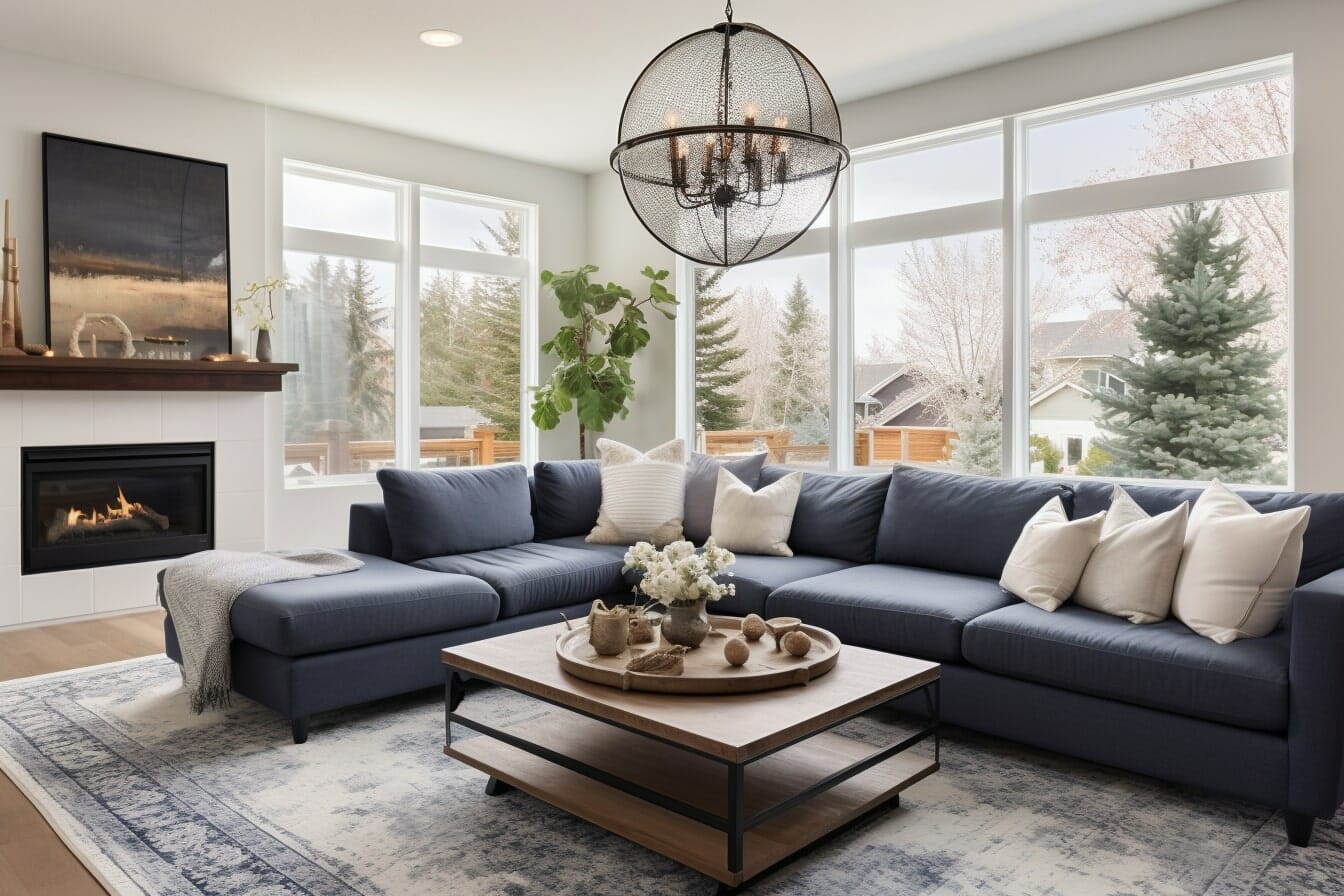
872 444
337 453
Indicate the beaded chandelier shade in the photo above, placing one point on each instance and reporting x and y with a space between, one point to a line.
729 145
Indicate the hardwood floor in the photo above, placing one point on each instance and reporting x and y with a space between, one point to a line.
33 860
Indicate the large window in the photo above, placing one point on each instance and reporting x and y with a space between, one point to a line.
928 316
1093 290
763 359
411 352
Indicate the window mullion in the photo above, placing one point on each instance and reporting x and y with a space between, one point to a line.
1017 303
842 326
406 365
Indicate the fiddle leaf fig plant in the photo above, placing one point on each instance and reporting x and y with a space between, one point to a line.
604 327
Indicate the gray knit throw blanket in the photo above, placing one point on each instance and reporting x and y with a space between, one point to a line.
199 591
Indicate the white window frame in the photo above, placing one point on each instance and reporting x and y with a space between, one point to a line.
409 255
1012 215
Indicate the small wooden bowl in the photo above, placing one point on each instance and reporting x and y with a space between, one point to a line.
781 626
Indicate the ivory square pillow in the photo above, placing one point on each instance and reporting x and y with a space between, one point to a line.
747 522
1132 571
1050 556
1239 568
642 494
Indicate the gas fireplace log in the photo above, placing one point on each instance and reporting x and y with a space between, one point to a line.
140 519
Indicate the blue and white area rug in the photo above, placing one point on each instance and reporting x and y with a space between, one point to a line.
157 801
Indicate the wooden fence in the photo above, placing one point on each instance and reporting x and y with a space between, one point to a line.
337 453
872 445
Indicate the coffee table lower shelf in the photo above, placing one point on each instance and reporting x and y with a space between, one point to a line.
698 781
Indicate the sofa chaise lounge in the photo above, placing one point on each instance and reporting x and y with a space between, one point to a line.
906 562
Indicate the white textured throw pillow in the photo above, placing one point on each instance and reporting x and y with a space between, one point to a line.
1132 571
1240 566
1050 555
747 522
643 495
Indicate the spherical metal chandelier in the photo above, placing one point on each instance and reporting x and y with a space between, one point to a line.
729 144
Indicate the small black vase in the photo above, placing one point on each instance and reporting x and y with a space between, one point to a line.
264 345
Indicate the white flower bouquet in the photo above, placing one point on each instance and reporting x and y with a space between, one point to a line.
678 576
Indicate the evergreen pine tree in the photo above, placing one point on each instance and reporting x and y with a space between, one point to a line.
484 364
717 374
370 401
801 392
1200 400
978 418
441 301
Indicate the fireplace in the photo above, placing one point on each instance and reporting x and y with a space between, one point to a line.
102 505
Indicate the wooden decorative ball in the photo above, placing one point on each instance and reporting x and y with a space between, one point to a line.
736 651
797 643
753 627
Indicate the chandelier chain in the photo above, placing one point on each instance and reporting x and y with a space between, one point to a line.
728 10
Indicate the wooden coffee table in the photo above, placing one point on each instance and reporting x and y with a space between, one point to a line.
730 785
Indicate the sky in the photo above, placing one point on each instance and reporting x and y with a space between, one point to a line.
1063 154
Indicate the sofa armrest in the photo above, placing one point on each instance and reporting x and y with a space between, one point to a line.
1316 697
368 530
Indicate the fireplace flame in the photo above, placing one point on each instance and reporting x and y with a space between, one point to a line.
127 515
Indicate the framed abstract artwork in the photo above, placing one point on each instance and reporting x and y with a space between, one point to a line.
137 251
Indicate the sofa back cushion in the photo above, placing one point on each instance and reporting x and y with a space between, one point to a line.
432 513
702 485
566 496
1322 545
959 523
837 516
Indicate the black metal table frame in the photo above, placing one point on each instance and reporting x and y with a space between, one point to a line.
736 823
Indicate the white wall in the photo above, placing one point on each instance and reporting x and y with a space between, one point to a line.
318 514
1215 38
621 247
253 140
41 95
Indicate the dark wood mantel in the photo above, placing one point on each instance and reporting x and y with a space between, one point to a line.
138 375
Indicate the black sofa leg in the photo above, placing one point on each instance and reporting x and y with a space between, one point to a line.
496 787
299 728
1299 827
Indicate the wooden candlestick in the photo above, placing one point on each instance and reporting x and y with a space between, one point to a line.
11 332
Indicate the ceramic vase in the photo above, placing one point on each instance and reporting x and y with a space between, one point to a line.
263 346
686 624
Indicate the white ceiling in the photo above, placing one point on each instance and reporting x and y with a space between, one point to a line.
542 80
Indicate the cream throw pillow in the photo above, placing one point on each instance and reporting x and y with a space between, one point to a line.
747 522
1050 555
1133 570
1240 566
643 495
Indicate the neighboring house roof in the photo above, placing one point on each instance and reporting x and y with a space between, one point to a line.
1042 394
907 402
449 417
1104 334
870 378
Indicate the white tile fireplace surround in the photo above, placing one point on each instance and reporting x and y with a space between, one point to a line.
234 422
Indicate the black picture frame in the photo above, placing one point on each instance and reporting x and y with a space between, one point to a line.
138 233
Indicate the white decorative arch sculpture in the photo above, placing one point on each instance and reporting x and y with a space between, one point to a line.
127 340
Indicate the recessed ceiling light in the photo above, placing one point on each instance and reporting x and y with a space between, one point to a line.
440 37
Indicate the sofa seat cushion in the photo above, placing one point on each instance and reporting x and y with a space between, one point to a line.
1163 666
757 576
540 575
381 601
900 609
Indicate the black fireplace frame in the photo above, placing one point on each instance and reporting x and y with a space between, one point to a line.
55 558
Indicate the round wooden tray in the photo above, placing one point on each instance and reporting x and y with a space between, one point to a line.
706 671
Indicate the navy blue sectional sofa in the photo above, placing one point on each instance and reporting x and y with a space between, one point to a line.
906 562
